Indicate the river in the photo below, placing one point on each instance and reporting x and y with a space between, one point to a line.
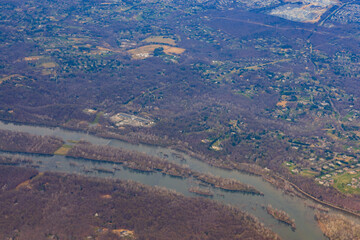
306 226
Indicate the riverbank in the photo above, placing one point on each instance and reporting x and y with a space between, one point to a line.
248 202
291 188
295 185
130 159
85 207
336 226
281 216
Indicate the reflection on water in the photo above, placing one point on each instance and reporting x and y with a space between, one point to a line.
295 207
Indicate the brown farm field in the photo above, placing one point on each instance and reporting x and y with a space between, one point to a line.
146 51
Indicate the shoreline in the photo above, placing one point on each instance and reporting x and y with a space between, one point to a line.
261 172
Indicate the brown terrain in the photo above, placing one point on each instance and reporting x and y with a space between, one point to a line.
57 206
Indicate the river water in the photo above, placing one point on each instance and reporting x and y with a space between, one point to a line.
306 226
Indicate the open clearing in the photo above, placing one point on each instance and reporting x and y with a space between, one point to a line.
63 150
160 39
282 104
33 58
308 11
10 77
344 184
147 51
48 65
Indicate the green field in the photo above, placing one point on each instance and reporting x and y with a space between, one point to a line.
63 150
341 183
290 166
308 173
97 118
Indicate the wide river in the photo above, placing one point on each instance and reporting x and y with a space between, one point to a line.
306 226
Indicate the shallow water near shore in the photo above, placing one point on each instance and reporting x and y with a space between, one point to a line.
306 226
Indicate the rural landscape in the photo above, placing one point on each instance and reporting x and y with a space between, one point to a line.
268 89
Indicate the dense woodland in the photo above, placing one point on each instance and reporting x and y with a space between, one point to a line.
145 163
55 206
131 159
221 80
241 92
25 142
337 226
